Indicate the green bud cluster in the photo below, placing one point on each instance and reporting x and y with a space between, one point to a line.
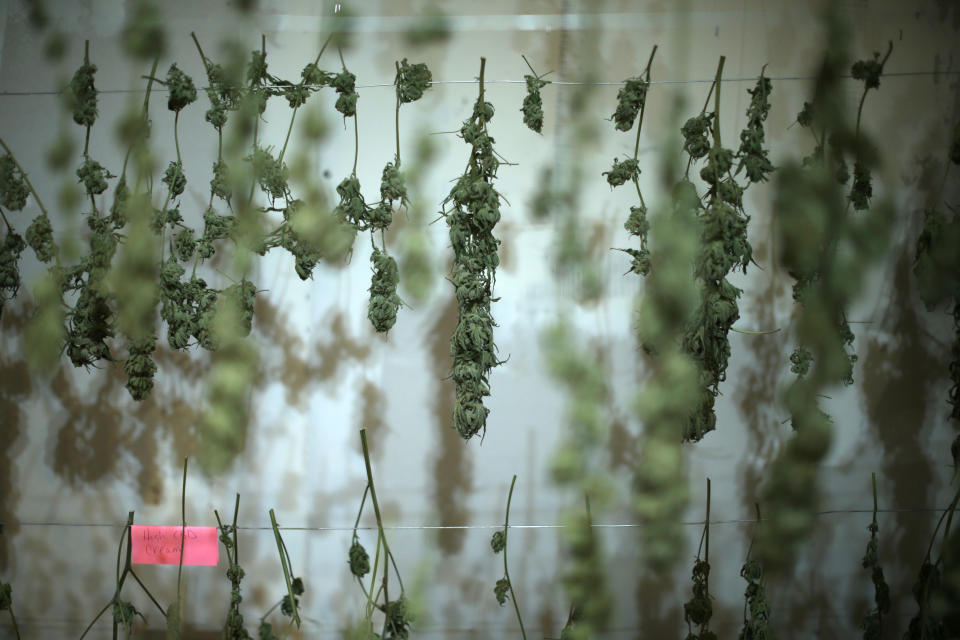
384 301
699 609
622 172
630 99
412 81
40 238
140 367
756 619
93 176
532 108
753 157
13 245
13 186
181 88
83 95
474 210
345 85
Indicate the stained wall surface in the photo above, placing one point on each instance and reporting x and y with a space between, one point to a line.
77 454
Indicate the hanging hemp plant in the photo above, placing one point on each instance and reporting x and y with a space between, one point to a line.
411 81
937 270
499 545
724 247
472 210
532 108
934 581
828 251
872 623
397 615
756 609
631 102
699 609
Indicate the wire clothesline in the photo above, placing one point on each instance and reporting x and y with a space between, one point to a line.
488 82
595 525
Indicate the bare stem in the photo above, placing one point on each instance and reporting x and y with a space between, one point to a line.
506 571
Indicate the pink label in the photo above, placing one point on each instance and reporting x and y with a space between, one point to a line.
161 545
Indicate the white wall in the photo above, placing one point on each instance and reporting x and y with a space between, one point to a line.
77 454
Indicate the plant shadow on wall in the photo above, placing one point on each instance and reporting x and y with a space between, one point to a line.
452 467
96 427
902 366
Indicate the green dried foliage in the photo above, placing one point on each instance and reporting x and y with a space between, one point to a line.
90 325
398 619
40 238
93 176
181 88
6 596
384 301
630 99
532 108
270 173
622 172
392 187
412 81
359 559
724 246
498 542
756 609
124 614
82 95
184 244
696 135
872 623
220 183
472 210
13 186
699 609
345 85
140 367
753 157
500 590
13 246
352 208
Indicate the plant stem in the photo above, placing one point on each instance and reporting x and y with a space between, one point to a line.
506 571
283 563
176 137
706 551
25 177
13 619
397 115
236 510
183 520
146 105
643 107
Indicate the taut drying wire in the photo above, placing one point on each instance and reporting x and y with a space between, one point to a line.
555 82
596 525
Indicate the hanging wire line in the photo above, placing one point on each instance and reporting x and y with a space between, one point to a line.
596 525
572 83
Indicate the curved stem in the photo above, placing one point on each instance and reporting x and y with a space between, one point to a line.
397 115
286 570
286 140
94 621
643 107
360 510
146 106
506 571
183 519
356 143
13 619
147 591
25 177
754 333
176 137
